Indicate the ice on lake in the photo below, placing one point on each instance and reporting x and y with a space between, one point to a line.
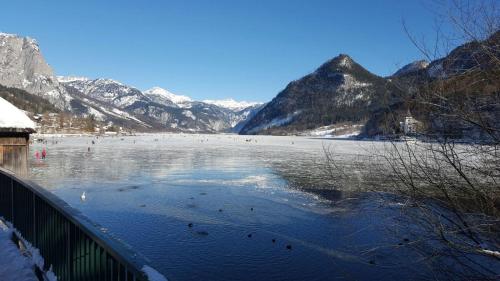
225 207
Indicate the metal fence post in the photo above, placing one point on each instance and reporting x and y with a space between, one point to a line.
12 200
34 222
68 252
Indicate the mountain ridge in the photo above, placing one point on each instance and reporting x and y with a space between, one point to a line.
339 90
108 100
158 107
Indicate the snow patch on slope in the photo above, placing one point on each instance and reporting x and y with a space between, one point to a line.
160 93
66 79
97 114
275 122
105 90
345 61
351 83
93 107
189 114
335 131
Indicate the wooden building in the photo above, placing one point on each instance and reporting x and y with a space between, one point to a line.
15 130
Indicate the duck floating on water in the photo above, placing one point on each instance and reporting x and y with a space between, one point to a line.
83 196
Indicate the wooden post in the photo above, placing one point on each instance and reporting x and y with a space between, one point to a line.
14 152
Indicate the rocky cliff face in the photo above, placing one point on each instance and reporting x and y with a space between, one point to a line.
23 66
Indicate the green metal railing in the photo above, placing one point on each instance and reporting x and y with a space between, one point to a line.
69 242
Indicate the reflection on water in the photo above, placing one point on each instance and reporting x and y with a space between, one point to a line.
219 207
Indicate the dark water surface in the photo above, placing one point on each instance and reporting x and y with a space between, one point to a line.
147 190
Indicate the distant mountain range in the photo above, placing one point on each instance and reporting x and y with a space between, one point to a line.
340 94
23 67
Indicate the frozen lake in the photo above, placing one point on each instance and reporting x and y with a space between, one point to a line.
244 199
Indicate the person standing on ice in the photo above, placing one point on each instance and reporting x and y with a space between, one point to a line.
44 153
37 155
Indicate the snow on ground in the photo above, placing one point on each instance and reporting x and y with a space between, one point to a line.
13 264
345 136
335 131
152 274
13 117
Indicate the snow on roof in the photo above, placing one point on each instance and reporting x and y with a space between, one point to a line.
12 117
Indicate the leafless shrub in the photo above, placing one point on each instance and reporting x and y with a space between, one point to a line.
455 188
451 190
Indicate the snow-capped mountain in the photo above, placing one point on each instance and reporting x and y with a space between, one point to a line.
165 97
218 115
67 79
156 107
339 92
105 90
232 104
23 66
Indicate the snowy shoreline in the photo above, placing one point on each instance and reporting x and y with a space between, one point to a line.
19 263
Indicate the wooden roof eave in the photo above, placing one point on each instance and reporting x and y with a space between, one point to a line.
17 130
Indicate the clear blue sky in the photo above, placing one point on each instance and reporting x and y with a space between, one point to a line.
248 50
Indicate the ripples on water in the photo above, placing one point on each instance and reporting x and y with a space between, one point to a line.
146 190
